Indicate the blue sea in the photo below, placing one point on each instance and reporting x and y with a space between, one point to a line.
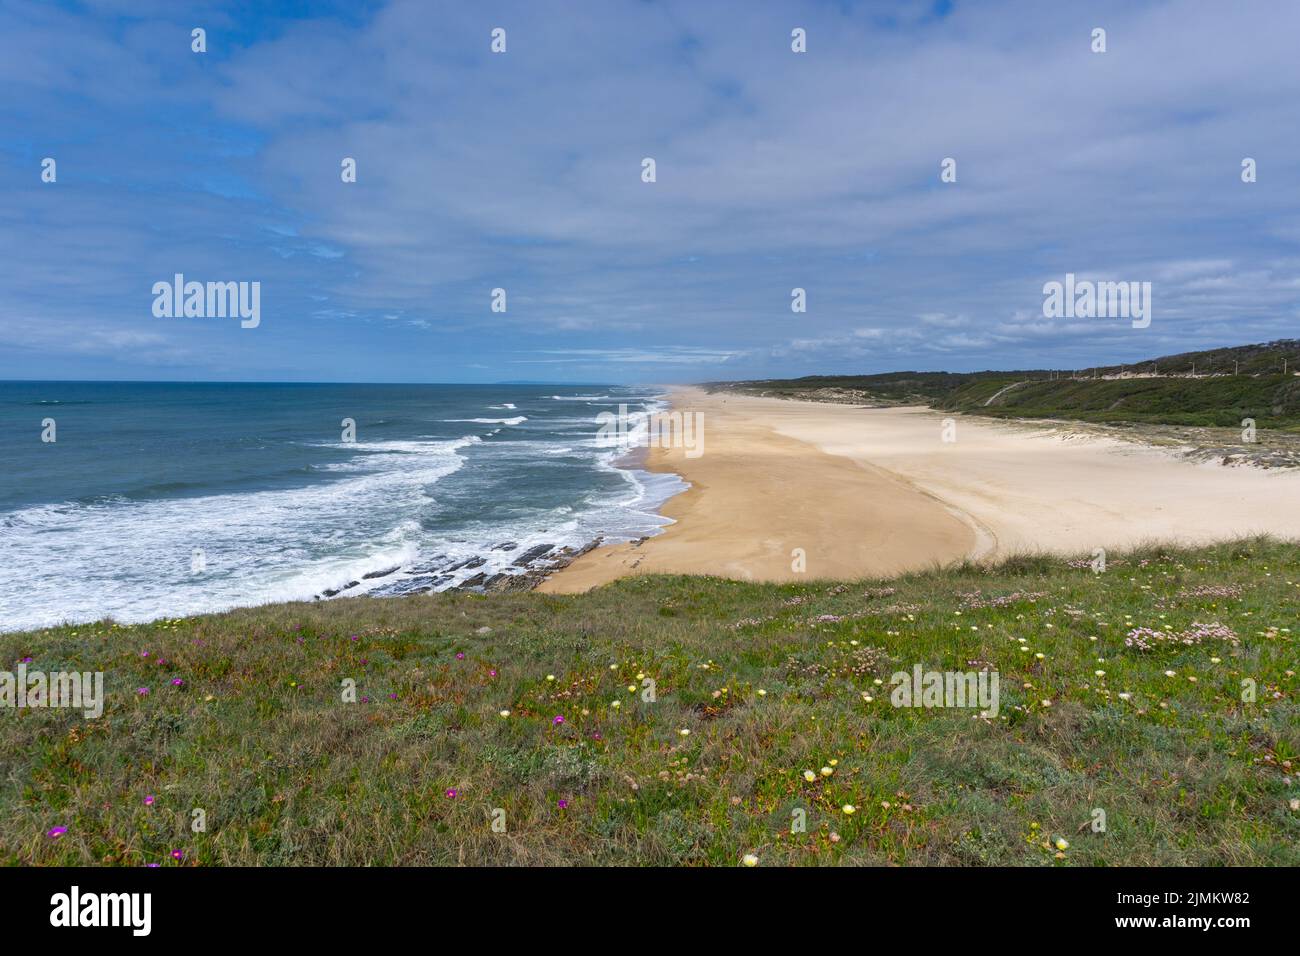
162 500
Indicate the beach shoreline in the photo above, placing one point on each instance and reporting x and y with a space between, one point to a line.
788 490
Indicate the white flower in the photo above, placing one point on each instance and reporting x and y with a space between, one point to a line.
749 860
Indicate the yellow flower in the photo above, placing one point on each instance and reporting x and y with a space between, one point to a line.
749 860
761 692
849 809
1061 844
809 776
550 677
631 688
827 771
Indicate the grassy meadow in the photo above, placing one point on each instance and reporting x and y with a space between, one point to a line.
1121 692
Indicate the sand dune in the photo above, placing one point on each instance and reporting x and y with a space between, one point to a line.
867 492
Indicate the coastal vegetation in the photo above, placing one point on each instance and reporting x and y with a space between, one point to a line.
1147 715
1213 388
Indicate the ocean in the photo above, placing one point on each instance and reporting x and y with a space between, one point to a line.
164 500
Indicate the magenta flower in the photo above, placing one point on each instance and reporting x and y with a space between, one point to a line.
144 653
452 793
162 660
563 804
142 691
178 854
177 682
365 700
153 866
26 660
148 801
492 672
56 832
559 719
460 655
392 697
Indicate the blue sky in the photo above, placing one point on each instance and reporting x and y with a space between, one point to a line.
522 171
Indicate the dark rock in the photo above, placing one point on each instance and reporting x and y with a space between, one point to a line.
532 554
380 574
508 546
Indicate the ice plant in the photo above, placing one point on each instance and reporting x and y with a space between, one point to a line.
148 801
55 832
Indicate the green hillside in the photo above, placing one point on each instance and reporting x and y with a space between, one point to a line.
1230 384
688 721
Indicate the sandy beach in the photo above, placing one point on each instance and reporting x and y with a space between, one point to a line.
857 492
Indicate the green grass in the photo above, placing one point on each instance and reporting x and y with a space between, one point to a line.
1271 400
768 679
1216 398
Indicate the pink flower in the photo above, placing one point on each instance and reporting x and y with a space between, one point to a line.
460 655
452 793
55 832
563 804
178 854
177 682
142 691
148 801
559 719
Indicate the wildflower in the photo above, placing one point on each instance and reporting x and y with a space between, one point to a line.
849 809
809 776
631 688
1099 673
827 771
835 837
460 655
55 832
761 692
685 732
505 713
616 704
557 719
1171 673
550 677
142 691
452 793
178 855
148 801
1061 843
177 682
563 804
749 860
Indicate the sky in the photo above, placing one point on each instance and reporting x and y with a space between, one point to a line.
522 171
